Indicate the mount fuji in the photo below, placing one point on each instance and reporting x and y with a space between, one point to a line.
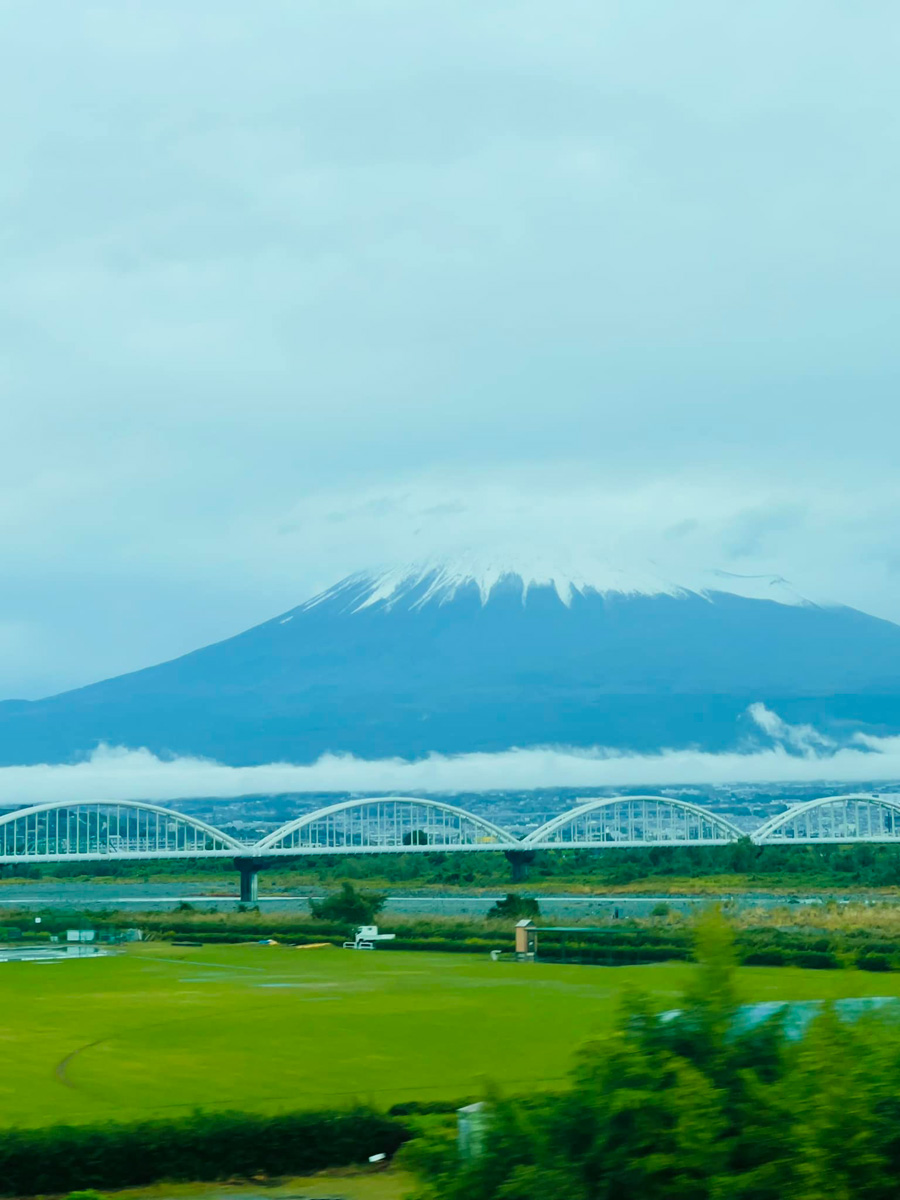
484 657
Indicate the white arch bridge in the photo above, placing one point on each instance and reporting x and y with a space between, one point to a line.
133 830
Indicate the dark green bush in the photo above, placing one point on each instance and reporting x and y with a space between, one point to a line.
425 1108
876 946
451 945
349 906
514 908
816 960
765 958
205 1146
612 956
873 962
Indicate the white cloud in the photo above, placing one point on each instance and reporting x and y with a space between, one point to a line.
799 756
804 739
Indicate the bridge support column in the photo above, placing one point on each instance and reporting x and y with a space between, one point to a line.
520 861
249 869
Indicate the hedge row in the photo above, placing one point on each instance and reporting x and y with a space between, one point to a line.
614 956
626 941
634 947
204 1146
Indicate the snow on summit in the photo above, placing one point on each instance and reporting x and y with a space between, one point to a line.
440 581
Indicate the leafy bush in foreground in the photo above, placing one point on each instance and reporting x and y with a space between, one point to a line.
691 1108
205 1146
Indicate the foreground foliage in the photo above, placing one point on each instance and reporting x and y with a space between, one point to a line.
204 1146
687 1108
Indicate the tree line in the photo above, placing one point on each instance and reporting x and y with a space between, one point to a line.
824 866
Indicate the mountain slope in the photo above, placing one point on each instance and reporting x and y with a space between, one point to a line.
449 660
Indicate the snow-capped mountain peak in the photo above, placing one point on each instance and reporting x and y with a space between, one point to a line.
415 585
481 656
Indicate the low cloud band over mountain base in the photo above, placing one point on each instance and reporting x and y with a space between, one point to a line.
797 754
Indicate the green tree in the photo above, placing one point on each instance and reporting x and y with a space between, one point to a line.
700 1103
841 1089
514 908
349 906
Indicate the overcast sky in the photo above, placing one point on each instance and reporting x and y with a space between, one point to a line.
292 287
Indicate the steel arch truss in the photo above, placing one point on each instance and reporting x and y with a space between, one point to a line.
386 823
634 821
98 830
854 818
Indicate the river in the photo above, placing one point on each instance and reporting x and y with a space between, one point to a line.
162 896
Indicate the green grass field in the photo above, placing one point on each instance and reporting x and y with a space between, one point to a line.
161 1029
349 1184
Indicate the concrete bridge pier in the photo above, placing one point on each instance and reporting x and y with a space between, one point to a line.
249 869
520 861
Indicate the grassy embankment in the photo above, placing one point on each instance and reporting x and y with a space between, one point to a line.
380 1184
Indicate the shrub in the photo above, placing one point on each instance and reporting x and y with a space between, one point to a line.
514 908
425 1108
817 960
873 962
765 958
204 1146
349 906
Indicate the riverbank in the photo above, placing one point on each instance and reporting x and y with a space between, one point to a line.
611 904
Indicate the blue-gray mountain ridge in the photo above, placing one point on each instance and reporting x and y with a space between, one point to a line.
410 662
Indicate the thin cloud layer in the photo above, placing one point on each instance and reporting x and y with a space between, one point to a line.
798 756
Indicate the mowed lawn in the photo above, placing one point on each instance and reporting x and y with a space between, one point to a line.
162 1030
